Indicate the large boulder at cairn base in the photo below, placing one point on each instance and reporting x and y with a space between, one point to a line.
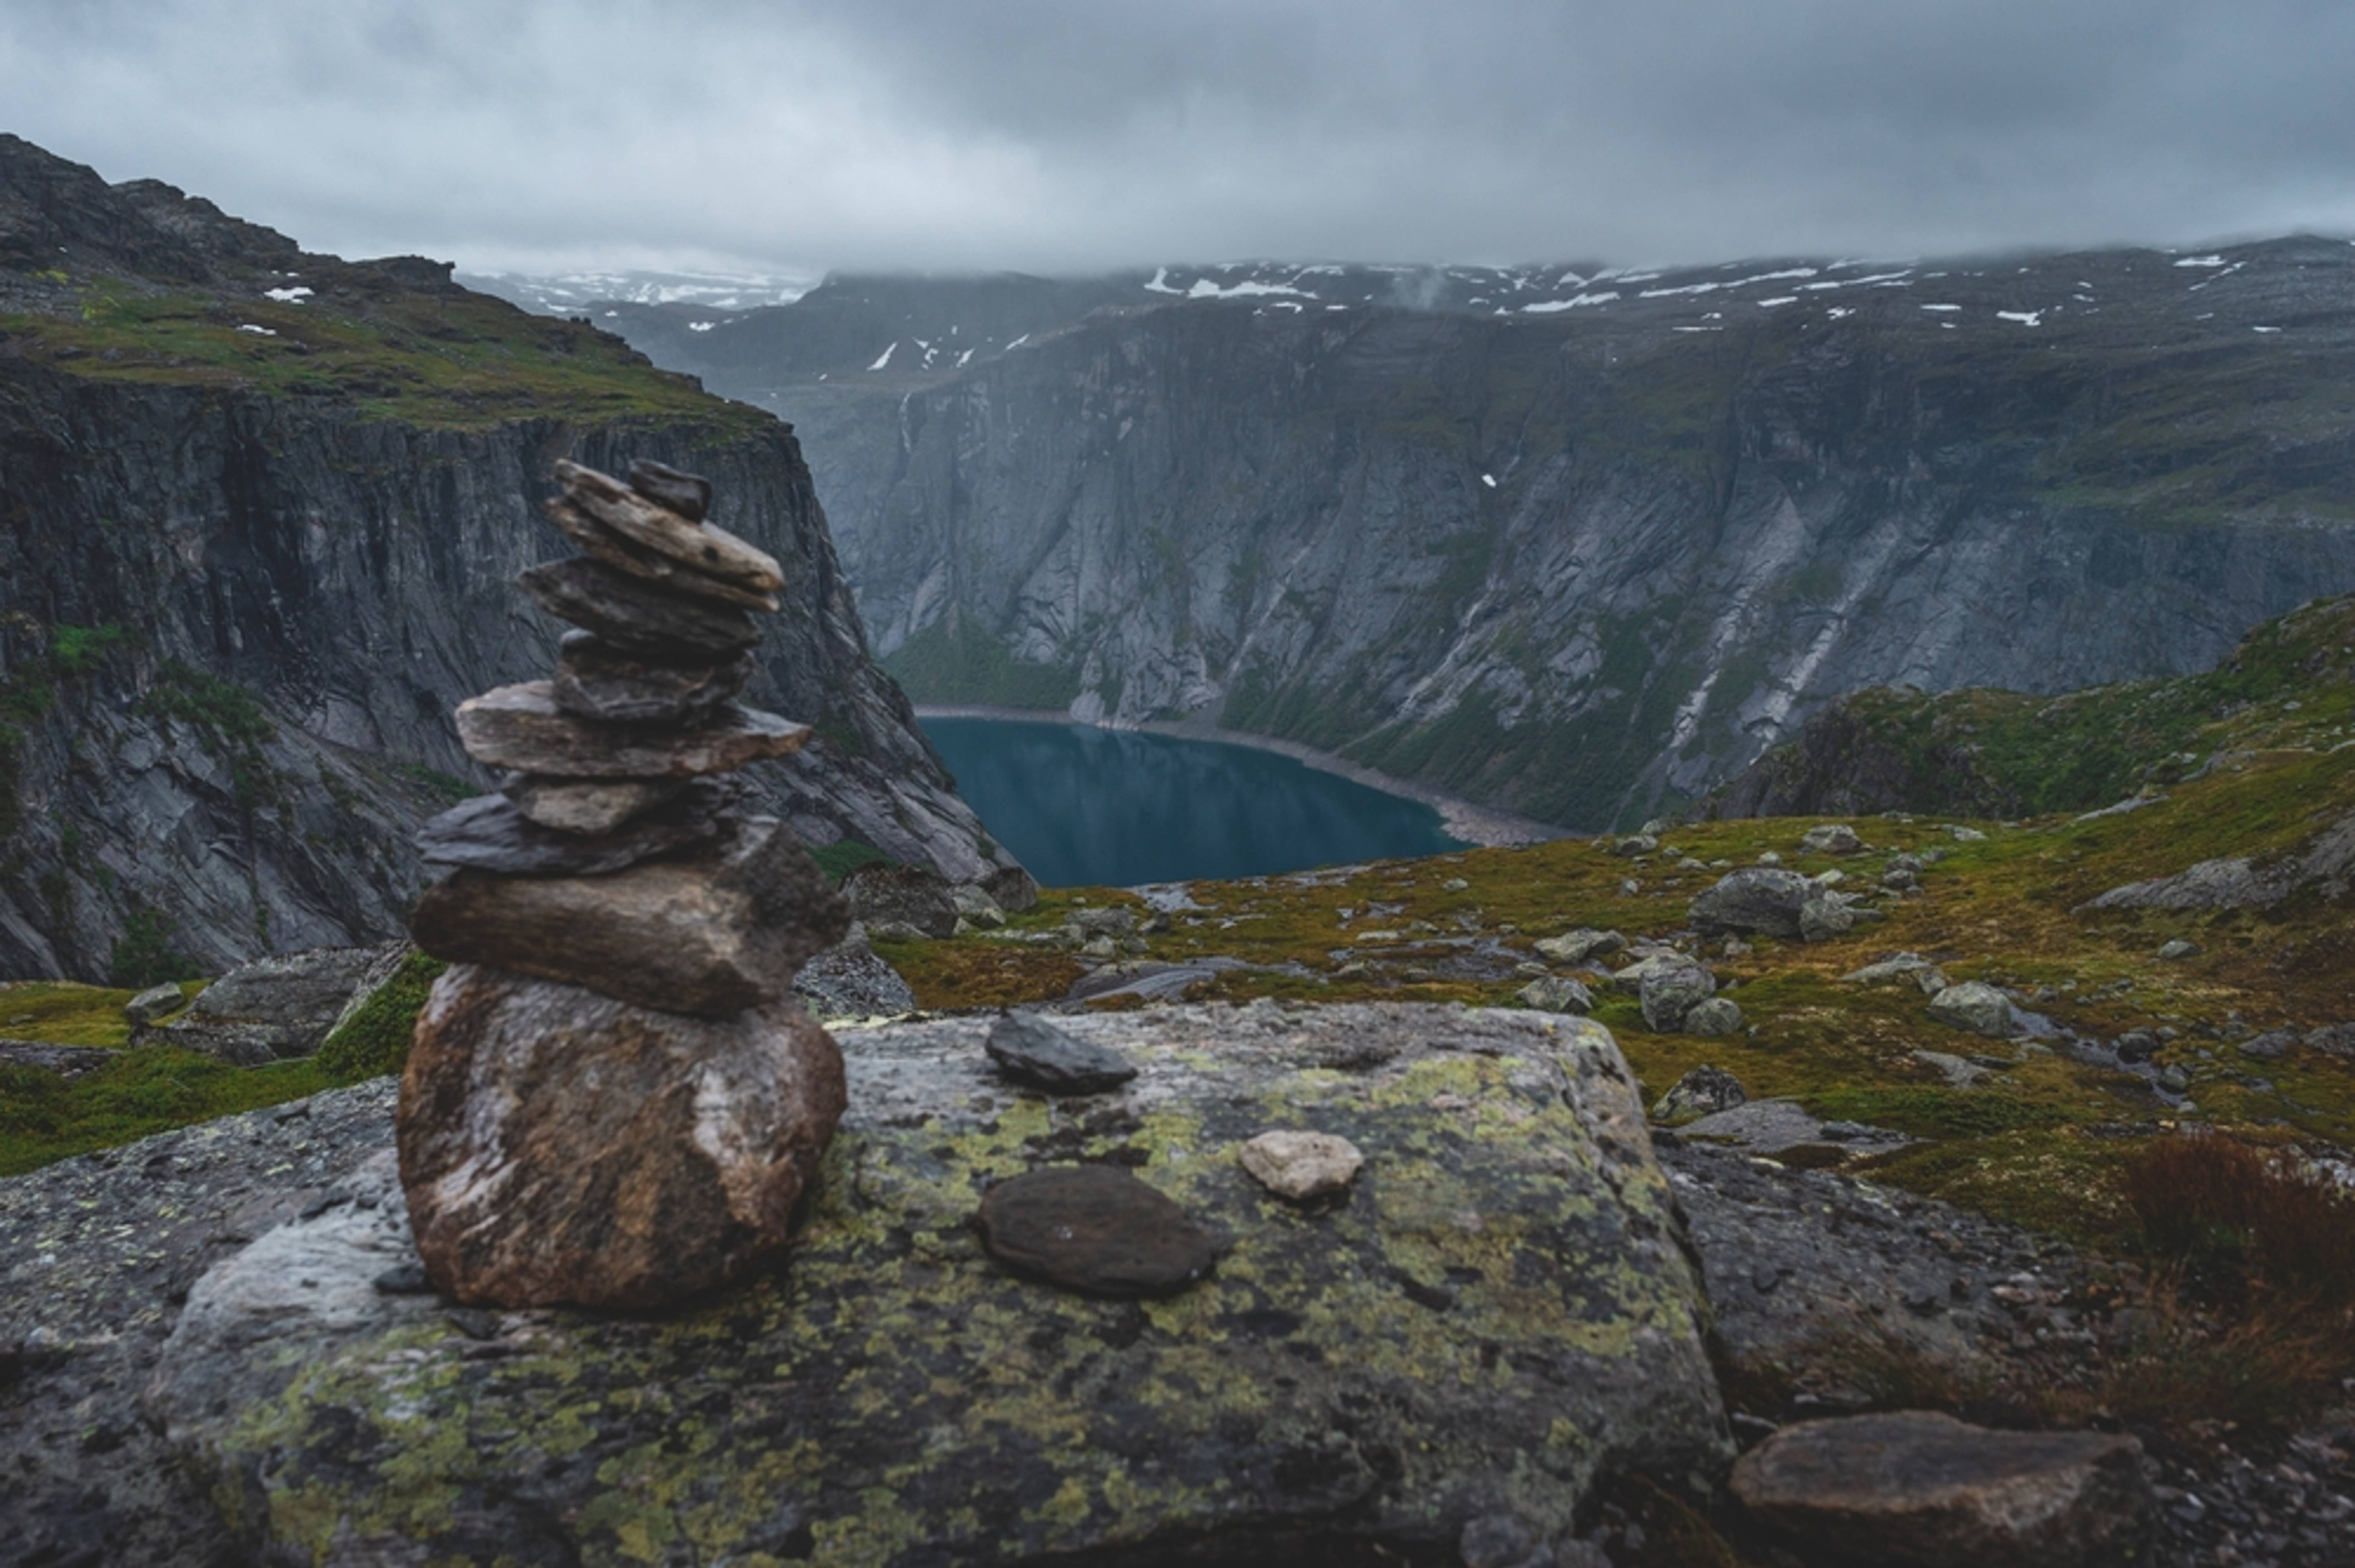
712 934
558 1146
1495 1310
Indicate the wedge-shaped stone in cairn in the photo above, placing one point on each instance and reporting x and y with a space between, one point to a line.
661 528
522 728
635 615
711 933
587 805
599 681
491 832
604 545
558 1146
688 494
1097 1229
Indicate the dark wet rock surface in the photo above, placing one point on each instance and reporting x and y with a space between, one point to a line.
597 681
637 617
1095 1229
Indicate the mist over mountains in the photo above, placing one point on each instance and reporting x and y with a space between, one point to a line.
1577 540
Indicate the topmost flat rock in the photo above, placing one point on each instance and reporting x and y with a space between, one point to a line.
656 527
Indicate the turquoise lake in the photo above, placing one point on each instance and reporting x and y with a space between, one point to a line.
1086 807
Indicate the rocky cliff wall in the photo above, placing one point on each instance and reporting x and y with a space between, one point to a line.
1586 556
255 546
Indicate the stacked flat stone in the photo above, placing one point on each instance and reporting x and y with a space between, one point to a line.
613 1099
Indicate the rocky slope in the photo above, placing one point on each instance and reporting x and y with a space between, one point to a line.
258 513
1577 543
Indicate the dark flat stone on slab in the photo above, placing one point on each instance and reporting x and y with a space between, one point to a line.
599 681
521 727
1034 1053
491 832
635 615
1094 1229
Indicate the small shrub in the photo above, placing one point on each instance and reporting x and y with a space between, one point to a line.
839 860
2270 1369
143 955
2231 1213
79 650
374 1041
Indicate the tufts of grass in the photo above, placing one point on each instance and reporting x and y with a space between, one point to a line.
2235 1214
45 1118
374 1041
63 1013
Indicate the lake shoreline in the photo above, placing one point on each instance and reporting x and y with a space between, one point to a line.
1467 820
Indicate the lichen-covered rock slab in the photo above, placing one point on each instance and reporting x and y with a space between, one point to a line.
1497 1309
558 1146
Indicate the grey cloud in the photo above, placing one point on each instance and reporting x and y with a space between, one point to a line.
1063 135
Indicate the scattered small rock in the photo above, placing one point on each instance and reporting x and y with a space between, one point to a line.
1556 993
1831 838
1673 990
2178 949
155 1002
1715 1015
1578 946
1704 1091
1976 1006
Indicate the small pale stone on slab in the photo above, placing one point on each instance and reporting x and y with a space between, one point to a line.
1094 1229
1033 1052
587 805
1917 1489
521 727
597 681
1302 1165
635 615
660 526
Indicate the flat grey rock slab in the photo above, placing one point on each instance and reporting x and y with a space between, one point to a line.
1495 1310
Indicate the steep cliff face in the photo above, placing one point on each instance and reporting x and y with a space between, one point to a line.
260 512
1579 544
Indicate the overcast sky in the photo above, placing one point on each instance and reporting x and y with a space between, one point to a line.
1064 135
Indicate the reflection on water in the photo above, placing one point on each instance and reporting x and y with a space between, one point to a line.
1111 808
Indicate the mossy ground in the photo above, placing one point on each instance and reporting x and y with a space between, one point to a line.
2041 1141
432 358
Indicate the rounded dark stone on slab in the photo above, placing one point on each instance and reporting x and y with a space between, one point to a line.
491 832
1094 1229
599 681
688 494
1033 1052
637 616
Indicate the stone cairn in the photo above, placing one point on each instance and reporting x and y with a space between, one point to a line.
613 1099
